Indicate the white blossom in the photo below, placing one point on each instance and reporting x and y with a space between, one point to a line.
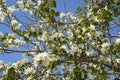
106 8
83 29
69 14
97 34
11 9
89 35
63 46
89 53
29 70
32 29
118 60
25 10
74 48
39 2
62 15
44 36
9 40
20 3
95 18
108 59
11 35
57 35
17 40
105 45
92 27
26 35
89 13
117 41
30 53
14 24
44 57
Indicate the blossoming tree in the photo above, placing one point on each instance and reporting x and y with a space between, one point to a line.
61 46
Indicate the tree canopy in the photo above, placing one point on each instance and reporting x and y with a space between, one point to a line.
60 45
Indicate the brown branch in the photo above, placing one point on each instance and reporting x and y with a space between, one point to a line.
19 51
86 61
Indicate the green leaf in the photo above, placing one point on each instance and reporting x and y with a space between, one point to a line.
11 74
57 13
78 10
52 66
53 4
4 78
115 1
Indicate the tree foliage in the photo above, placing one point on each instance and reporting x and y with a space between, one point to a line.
61 46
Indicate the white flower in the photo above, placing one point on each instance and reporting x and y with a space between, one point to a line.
60 34
89 53
32 29
108 59
97 34
105 45
89 13
94 65
44 36
55 35
29 70
118 60
83 29
44 57
47 75
95 18
39 2
11 9
17 40
106 8
14 23
31 12
117 41
20 3
11 35
74 49
62 15
89 35
26 35
25 10
69 14
63 46
15 65
9 40
92 27
30 54
67 78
